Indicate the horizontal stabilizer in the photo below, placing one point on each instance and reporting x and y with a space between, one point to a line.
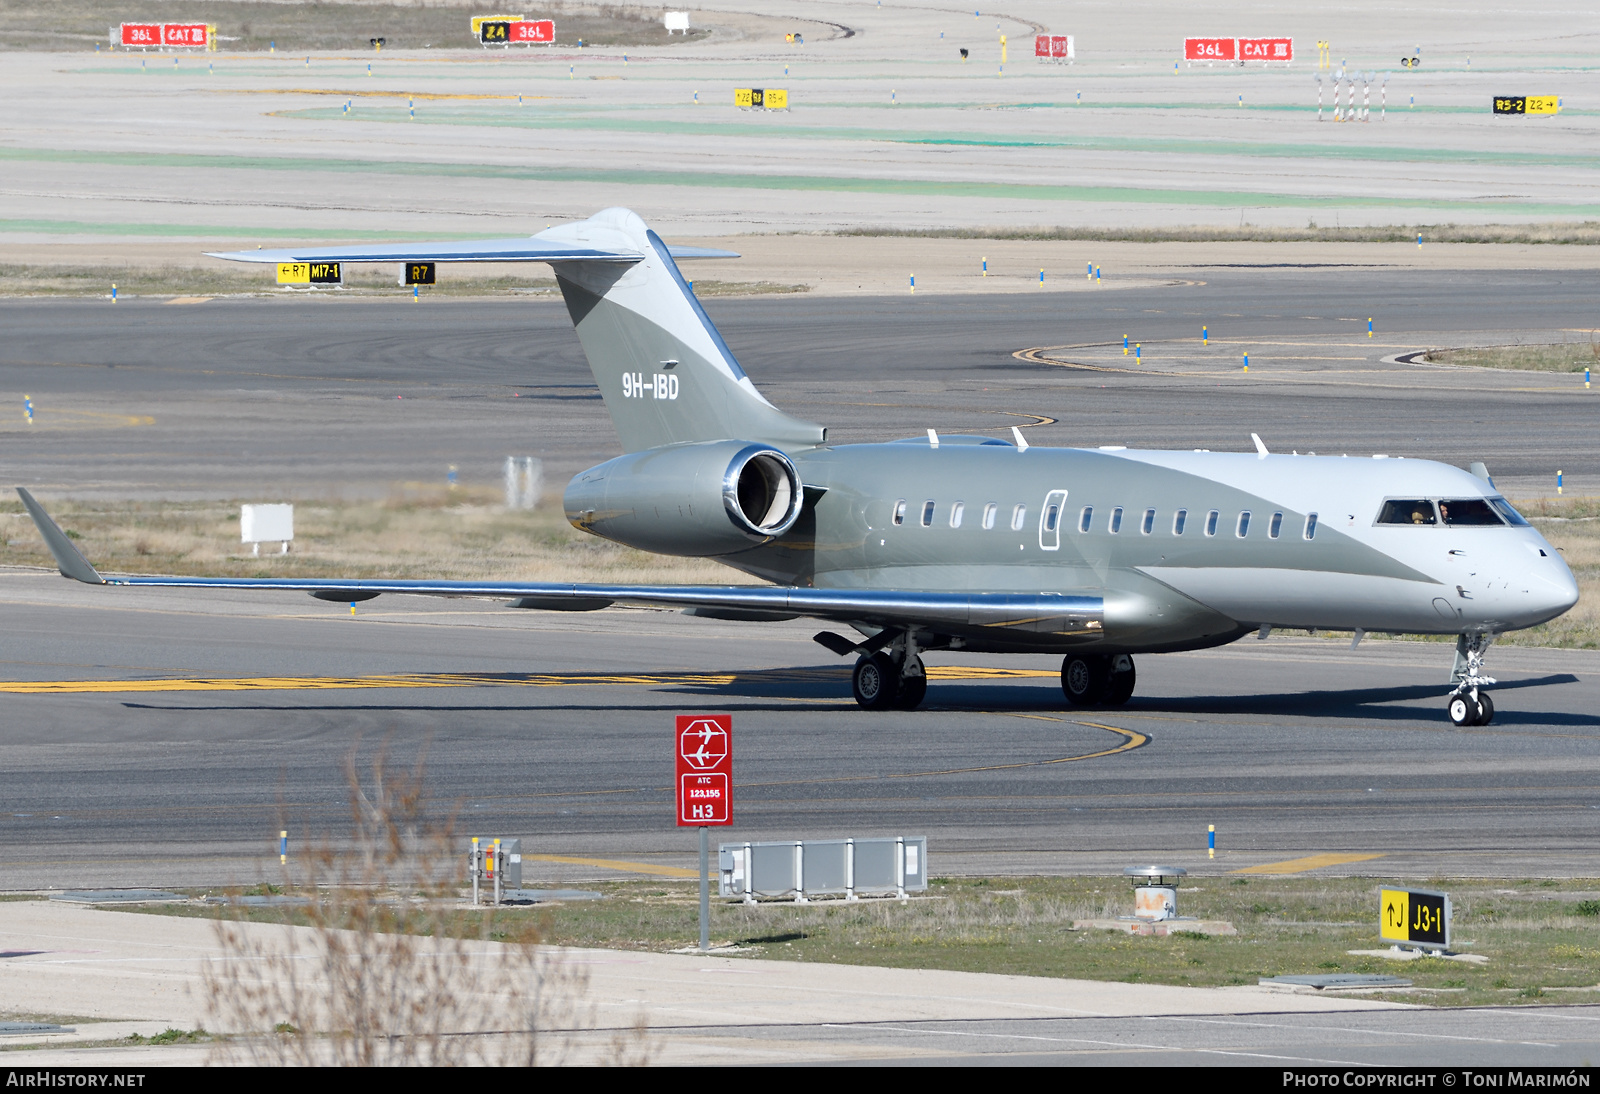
520 249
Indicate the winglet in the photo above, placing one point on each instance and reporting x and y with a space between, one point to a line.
68 559
1261 448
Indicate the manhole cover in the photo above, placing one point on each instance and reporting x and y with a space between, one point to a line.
1348 981
117 896
32 1027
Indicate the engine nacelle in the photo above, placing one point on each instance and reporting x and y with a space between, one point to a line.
707 498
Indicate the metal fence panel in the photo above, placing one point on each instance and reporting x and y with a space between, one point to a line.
916 864
875 866
825 866
772 869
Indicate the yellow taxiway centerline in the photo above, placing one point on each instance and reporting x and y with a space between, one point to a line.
456 680
1302 865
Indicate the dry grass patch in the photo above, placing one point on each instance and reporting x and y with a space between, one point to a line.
1585 233
462 535
1555 357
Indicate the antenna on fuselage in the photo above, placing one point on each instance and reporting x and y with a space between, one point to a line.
1261 449
1022 442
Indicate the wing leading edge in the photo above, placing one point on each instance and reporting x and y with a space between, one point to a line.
1041 614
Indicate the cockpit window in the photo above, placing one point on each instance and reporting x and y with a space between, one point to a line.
1408 511
1468 511
1508 511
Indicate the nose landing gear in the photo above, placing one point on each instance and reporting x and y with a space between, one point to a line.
1469 704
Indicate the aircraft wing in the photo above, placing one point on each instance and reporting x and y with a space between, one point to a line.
519 249
1043 613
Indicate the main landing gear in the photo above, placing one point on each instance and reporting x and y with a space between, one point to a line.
880 683
1470 704
1097 679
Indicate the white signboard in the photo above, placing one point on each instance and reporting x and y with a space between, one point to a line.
677 20
260 524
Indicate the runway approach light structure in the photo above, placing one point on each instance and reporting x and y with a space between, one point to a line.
1155 891
260 524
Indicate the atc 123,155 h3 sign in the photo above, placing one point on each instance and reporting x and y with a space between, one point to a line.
704 760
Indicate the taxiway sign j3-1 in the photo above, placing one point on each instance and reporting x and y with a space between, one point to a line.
970 542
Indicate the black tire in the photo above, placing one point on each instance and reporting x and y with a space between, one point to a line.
1463 710
876 682
1083 679
1119 688
1485 709
912 688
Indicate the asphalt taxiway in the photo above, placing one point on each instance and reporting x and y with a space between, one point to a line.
164 738
343 398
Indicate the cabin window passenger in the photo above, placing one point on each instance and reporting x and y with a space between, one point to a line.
1051 516
927 514
1211 523
988 515
1116 520
1468 511
1243 528
1311 526
1507 511
1407 511
1179 519
1086 518
1276 526
956 512
900 511
1149 522
1019 517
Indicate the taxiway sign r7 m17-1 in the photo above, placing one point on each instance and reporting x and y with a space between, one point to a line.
970 542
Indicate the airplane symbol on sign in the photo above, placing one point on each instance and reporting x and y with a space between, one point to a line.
703 744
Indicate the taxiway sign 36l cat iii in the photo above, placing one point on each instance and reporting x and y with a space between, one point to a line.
970 542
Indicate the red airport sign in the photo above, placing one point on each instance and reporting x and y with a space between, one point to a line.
157 35
533 30
703 755
141 34
1266 49
192 35
1210 49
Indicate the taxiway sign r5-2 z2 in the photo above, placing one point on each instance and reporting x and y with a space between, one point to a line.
970 542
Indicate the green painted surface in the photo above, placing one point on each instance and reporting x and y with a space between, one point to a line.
207 231
566 117
790 182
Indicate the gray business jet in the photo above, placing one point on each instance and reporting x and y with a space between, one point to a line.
967 542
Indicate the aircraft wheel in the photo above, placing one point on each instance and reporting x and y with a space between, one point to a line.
876 682
1083 679
1485 709
1463 710
912 688
1119 689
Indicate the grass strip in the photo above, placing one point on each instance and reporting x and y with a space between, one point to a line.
1538 935
1557 232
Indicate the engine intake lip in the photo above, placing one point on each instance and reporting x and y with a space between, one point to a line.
761 492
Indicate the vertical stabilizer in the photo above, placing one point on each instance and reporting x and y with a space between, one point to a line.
665 373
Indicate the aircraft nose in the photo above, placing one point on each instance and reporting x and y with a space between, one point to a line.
1552 592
